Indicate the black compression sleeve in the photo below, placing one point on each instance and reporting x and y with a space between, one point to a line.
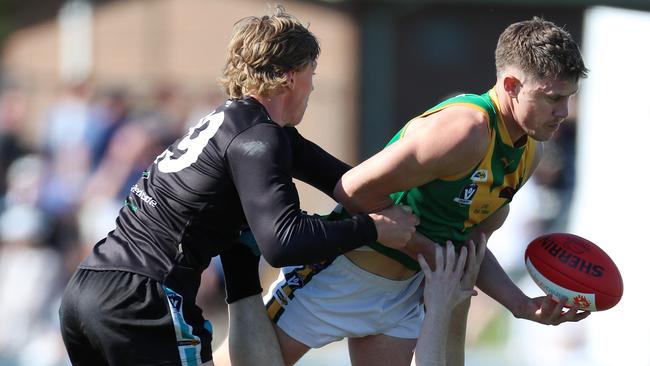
260 161
322 176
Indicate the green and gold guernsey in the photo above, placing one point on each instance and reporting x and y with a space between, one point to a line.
449 207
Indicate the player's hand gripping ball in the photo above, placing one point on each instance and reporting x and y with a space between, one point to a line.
566 265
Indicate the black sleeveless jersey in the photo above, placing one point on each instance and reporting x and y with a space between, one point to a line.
233 168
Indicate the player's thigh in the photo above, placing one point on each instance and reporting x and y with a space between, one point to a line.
80 350
292 350
381 350
131 319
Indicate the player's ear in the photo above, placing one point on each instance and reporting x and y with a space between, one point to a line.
511 85
291 79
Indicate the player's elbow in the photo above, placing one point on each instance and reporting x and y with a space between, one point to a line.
273 254
276 259
341 191
278 253
357 200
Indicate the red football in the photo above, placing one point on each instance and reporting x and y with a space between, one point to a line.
566 265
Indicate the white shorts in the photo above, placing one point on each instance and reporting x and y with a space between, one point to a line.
320 304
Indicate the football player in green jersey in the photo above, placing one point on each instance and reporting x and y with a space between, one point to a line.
457 166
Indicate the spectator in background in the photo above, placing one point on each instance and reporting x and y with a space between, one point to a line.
67 150
13 106
31 274
108 113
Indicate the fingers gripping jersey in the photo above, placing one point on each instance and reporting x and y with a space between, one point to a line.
234 167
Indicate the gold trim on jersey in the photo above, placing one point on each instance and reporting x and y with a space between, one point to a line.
434 110
488 200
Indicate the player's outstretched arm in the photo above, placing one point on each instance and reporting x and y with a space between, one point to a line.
442 293
442 144
544 310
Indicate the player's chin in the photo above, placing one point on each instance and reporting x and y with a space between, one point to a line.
542 136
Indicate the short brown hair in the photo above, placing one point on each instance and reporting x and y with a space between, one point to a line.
263 49
540 48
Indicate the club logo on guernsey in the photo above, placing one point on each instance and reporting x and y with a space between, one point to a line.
480 175
466 194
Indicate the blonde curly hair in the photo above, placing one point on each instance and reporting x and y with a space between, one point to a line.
262 50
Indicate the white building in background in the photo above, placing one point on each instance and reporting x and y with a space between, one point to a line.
612 205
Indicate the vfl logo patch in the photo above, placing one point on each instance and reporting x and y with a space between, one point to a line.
466 194
480 175
301 275
175 300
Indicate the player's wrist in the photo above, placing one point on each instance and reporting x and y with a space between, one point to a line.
518 307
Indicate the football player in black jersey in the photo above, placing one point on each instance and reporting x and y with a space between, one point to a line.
132 300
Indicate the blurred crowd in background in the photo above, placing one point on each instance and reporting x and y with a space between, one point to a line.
60 194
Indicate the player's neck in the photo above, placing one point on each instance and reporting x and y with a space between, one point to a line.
506 108
275 107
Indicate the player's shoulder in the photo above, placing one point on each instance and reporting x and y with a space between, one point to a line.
460 134
470 115
464 123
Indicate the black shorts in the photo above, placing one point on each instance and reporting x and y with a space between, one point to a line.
123 318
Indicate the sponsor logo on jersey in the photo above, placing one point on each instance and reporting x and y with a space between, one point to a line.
483 209
480 175
466 194
140 193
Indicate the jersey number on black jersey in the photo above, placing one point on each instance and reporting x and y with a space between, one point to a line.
189 148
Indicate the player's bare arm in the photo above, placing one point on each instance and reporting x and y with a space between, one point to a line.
445 143
494 281
442 292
